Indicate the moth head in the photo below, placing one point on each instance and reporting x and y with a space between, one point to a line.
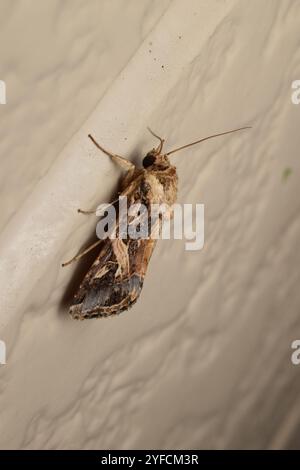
155 159
149 159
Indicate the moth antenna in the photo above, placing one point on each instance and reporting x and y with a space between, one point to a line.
206 138
159 148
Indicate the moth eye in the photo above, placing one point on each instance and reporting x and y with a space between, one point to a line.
148 160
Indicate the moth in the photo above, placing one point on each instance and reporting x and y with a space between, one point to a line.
115 280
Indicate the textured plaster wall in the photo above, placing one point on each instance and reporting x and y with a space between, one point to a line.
203 359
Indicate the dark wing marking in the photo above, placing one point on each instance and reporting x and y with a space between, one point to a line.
115 280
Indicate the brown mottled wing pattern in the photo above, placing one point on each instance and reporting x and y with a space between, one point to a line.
115 280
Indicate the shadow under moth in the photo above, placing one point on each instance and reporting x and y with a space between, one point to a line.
115 280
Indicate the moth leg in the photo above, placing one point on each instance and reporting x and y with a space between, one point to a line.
121 161
127 184
80 255
94 211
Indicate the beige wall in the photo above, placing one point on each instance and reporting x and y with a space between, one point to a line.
203 359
